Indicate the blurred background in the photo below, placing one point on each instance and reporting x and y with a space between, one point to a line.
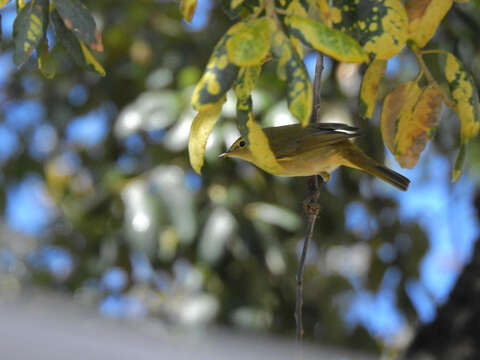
99 202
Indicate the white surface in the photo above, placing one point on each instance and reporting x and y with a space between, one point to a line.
53 328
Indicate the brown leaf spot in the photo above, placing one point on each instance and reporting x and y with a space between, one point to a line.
416 8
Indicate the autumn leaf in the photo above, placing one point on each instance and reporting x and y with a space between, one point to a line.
424 17
409 118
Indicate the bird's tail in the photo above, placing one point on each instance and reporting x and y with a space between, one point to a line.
359 160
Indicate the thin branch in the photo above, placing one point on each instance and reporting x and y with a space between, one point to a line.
311 205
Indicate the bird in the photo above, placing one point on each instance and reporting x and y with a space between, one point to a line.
316 149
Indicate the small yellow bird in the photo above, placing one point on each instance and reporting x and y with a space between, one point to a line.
317 149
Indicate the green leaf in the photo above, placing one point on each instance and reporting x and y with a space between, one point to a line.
368 92
187 8
46 63
77 18
256 139
29 29
465 97
409 118
246 80
249 42
75 47
299 87
457 169
380 26
329 41
424 17
217 79
202 126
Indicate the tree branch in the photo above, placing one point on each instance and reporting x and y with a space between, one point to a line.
311 205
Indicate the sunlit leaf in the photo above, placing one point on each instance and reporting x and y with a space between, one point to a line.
249 42
465 97
424 16
201 128
75 47
380 26
217 79
3 3
78 19
256 139
299 87
20 4
331 42
368 92
187 8
29 29
234 4
409 118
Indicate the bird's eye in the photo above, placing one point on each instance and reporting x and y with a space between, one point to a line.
241 143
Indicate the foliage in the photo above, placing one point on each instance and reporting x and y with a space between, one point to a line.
134 230
366 31
74 28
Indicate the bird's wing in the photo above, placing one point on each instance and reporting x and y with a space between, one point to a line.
294 139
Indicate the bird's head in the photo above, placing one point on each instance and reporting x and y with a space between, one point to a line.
239 149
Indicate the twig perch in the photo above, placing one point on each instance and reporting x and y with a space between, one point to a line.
311 205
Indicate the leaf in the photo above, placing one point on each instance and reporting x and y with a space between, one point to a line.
29 29
380 26
75 47
370 82
234 4
256 139
465 97
3 3
299 87
331 42
201 128
457 169
46 64
424 16
409 118
247 78
187 8
78 19
217 79
249 42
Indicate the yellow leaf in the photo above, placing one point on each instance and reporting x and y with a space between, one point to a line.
3 3
235 4
90 59
368 92
424 16
249 42
409 118
217 79
331 42
379 26
201 128
187 8
457 169
256 138
465 97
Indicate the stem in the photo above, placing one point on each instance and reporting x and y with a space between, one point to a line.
424 69
311 206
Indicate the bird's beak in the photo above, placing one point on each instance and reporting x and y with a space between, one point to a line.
223 155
